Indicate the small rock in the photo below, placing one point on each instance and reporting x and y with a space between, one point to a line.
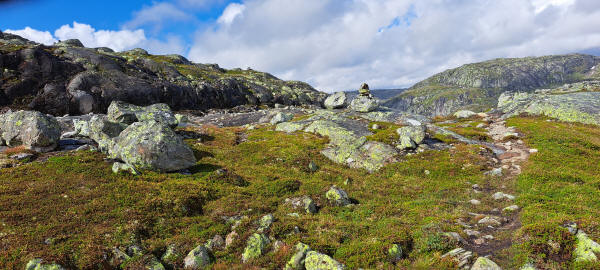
532 150
313 167
471 232
198 258
281 118
230 238
22 156
296 262
375 127
122 167
479 241
481 125
278 245
37 264
464 114
69 134
488 237
395 253
217 242
337 196
511 208
496 172
510 135
460 255
265 222
255 247
489 221
318 261
501 195
427 172
475 202
483 263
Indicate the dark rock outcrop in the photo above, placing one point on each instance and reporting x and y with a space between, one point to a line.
69 78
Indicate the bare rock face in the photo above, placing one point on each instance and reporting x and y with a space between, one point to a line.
34 130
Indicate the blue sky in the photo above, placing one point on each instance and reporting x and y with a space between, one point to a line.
332 44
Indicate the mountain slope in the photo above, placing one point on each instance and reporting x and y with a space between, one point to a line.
477 86
69 78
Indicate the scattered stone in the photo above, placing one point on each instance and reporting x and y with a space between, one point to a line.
411 136
479 241
123 167
182 120
296 262
483 263
454 236
511 208
118 257
460 255
585 248
488 237
305 203
471 233
395 253
25 157
170 256
318 261
34 130
427 172
153 146
198 258
464 114
230 238
528 266
37 264
489 221
336 101
265 223
375 127
475 202
256 245
313 167
510 135
532 151
413 122
281 118
217 242
497 172
86 147
501 196
337 196
481 125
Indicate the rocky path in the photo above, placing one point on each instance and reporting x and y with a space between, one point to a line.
493 216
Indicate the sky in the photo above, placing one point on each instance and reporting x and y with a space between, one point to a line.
334 45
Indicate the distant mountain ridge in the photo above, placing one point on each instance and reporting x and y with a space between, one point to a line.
477 86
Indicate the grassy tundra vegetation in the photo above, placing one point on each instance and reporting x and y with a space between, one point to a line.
71 209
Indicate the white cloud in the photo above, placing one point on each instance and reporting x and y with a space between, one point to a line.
156 15
232 11
117 40
43 37
336 45
90 37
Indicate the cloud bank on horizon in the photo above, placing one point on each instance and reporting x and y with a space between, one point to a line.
335 45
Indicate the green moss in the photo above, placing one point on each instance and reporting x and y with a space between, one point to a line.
386 133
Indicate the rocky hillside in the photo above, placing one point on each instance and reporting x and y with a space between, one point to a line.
69 78
477 86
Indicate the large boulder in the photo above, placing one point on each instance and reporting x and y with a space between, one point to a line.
198 258
255 247
151 145
100 130
410 136
464 114
126 113
363 104
296 262
337 100
34 130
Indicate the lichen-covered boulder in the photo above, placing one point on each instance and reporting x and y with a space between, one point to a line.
585 248
265 222
296 262
150 145
198 258
123 167
371 156
363 104
395 253
318 261
37 264
102 131
126 113
337 100
255 247
483 263
410 136
34 130
464 114
337 196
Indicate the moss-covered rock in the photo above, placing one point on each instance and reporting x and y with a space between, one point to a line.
337 196
585 248
363 104
318 261
411 136
122 112
483 263
255 247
